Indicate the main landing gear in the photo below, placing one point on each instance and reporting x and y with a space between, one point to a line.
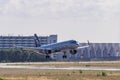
73 52
47 53
47 57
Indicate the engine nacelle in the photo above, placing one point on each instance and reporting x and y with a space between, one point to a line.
47 51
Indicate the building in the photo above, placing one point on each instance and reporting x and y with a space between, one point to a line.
97 51
25 41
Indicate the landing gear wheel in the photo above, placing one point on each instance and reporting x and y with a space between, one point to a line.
64 56
47 56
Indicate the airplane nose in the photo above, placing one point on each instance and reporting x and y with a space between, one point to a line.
78 44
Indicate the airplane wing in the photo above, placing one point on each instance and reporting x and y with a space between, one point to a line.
81 47
35 49
86 46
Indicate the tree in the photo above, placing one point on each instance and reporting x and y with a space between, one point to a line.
20 55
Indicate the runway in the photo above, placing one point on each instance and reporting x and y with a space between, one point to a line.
4 65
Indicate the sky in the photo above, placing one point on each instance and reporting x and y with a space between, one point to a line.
81 20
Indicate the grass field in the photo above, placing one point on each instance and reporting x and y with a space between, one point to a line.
28 74
38 74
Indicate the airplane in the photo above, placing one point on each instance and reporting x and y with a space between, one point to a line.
54 48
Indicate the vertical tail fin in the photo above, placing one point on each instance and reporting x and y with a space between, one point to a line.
37 41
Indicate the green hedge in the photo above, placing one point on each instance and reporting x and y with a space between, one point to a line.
20 55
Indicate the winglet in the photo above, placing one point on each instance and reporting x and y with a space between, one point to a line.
88 42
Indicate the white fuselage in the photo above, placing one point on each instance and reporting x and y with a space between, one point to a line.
56 47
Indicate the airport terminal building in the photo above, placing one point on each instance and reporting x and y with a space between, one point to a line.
97 51
25 41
